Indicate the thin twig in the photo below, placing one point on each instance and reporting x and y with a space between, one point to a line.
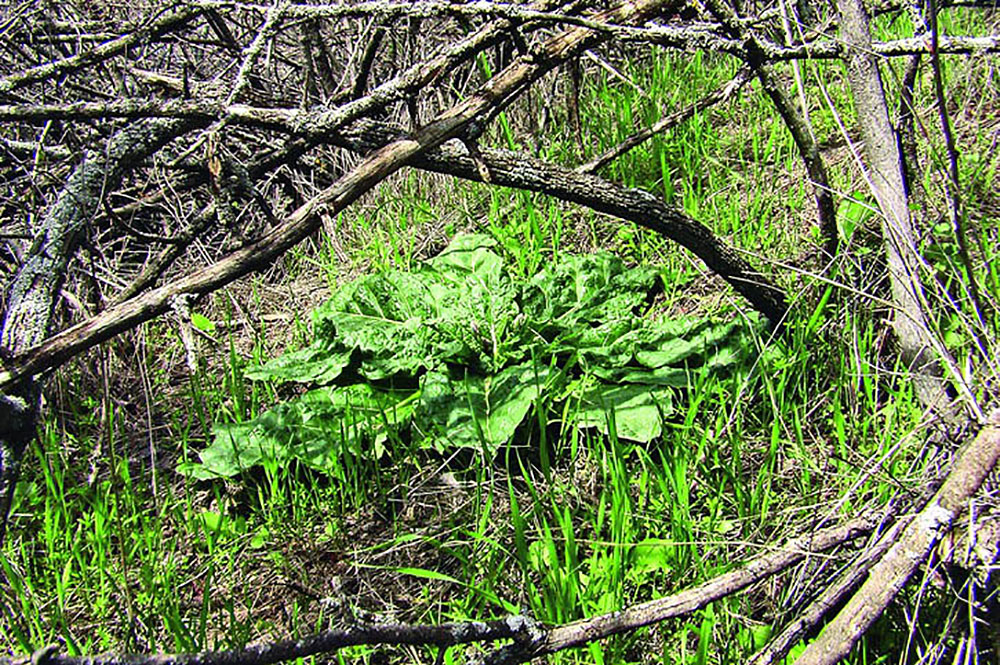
890 574
168 23
953 189
795 119
631 618
530 638
667 122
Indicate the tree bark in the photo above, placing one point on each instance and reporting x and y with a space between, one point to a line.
511 169
505 168
891 573
34 291
33 295
885 172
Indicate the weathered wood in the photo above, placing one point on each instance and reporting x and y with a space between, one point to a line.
530 639
173 21
32 294
305 220
514 169
888 577
441 635
920 351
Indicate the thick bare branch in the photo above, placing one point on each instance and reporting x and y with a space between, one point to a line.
305 220
918 344
954 45
530 638
512 169
32 295
887 578
778 647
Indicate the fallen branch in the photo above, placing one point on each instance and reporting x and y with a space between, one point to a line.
889 576
825 50
505 168
530 638
306 219
920 348
166 24
706 37
721 94
443 635
779 645
513 169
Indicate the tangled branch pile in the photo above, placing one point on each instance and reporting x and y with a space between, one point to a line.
134 132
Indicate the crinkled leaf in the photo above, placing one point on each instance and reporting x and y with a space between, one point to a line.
315 364
455 309
698 339
586 290
316 428
459 327
384 317
474 410
637 410
478 324
468 253
354 419
613 344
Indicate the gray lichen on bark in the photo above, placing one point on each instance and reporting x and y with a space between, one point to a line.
34 291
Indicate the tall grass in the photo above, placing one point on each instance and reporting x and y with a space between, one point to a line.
807 431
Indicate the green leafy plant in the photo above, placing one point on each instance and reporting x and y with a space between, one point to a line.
456 353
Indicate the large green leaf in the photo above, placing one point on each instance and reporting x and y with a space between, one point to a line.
636 410
455 308
587 289
315 429
314 364
677 377
590 308
468 253
235 448
464 410
383 317
689 340
478 323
